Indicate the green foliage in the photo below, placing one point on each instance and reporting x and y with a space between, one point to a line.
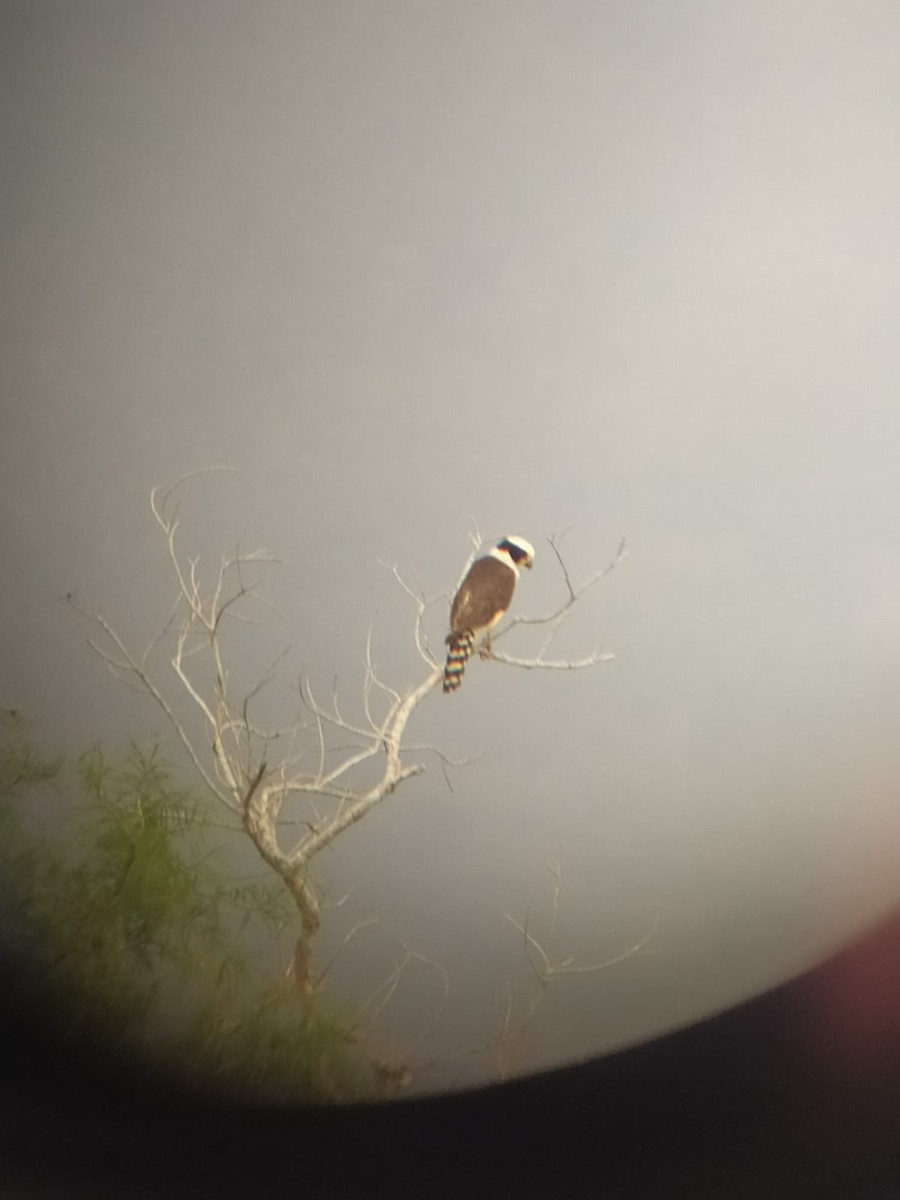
129 926
19 765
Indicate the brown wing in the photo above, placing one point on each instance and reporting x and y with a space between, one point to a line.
483 597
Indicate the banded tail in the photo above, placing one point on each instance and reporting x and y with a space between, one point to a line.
459 651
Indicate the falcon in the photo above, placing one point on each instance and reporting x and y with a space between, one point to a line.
483 597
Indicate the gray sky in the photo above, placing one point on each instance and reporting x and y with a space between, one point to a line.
629 268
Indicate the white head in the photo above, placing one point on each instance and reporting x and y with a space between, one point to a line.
515 552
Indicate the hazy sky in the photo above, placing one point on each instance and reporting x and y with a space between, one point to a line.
626 267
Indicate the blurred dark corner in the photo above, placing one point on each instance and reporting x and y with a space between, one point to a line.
796 1093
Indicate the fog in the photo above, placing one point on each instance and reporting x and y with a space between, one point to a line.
607 270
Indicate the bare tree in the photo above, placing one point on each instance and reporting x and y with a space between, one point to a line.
546 970
320 756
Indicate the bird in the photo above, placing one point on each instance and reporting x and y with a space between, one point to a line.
483 597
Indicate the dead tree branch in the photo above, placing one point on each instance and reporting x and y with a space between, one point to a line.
547 970
394 1071
555 620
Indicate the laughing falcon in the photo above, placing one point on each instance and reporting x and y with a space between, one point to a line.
483 597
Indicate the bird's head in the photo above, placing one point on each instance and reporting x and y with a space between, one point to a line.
520 552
